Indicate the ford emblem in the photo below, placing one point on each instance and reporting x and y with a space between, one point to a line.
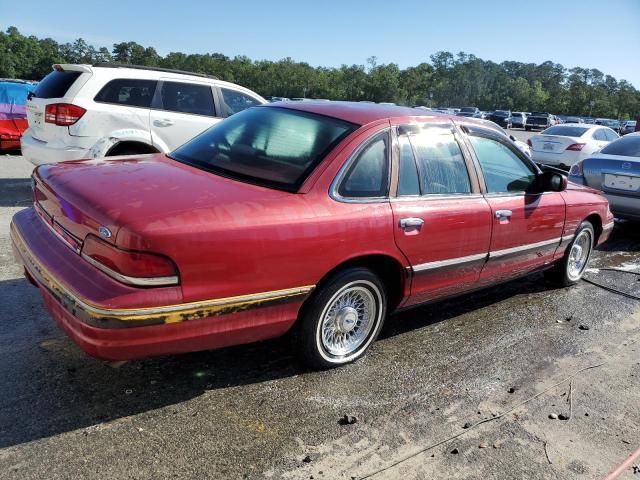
626 165
104 232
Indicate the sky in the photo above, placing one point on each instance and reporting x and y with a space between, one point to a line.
602 34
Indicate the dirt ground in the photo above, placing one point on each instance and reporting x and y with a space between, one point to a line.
509 356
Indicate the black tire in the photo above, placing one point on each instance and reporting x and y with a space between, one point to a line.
561 274
528 129
126 151
308 334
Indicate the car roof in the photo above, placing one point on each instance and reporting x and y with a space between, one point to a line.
357 112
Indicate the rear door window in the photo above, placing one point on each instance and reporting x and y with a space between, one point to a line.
408 183
56 84
440 162
234 101
187 98
127 91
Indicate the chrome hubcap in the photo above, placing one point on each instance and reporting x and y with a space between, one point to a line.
579 255
347 320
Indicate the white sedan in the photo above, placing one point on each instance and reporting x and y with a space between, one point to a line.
564 145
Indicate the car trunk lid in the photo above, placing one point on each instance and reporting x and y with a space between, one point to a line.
615 174
552 143
145 194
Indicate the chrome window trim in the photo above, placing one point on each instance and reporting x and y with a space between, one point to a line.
138 281
335 184
524 248
449 262
437 196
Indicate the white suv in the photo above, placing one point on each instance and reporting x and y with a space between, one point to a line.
84 111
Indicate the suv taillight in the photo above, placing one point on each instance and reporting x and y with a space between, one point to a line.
142 269
63 114
529 142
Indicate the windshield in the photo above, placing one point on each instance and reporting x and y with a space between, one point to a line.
565 131
627 146
270 146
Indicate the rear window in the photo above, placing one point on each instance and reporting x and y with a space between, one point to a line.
627 146
269 146
127 91
56 84
565 131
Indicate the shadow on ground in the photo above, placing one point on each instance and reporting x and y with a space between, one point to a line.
15 192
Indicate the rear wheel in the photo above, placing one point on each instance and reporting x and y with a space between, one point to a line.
342 319
571 268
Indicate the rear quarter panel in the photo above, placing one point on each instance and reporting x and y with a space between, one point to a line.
253 245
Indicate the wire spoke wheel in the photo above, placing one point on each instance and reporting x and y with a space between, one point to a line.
348 319
579 255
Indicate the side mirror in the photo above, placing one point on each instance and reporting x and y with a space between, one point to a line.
552 182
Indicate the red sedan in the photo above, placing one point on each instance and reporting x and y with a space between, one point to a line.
317 217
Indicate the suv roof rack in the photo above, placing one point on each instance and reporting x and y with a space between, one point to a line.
155 69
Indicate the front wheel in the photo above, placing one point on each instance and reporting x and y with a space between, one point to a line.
342 319
572 266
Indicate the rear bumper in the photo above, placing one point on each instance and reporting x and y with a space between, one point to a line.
39 152
112 321
624 206
557 159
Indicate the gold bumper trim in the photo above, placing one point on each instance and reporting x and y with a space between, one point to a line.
103 317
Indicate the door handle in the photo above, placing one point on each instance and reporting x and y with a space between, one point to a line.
163 123
412 222
503 214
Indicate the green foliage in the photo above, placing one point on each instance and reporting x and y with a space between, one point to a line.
447 80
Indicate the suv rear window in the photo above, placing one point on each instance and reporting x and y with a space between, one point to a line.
56 84
127 91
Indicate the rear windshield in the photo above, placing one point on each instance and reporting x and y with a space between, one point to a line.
565 131
269 146
627 146
56 84
500 113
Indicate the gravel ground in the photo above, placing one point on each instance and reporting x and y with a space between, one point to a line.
254 412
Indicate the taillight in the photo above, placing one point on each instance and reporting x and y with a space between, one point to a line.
135 268
63 114
529 142
576 147
576 169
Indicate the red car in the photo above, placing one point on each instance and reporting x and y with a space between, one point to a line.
316 217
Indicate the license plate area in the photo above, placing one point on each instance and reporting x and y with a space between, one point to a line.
622 182
547 146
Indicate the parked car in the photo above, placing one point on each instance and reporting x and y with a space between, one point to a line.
522 146
518 119
13 114
469 111
573 120
628 127
616 171
502 118
564 145
84 111
245 233
539 120
277 99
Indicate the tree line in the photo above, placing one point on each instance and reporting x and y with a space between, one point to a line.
446 80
